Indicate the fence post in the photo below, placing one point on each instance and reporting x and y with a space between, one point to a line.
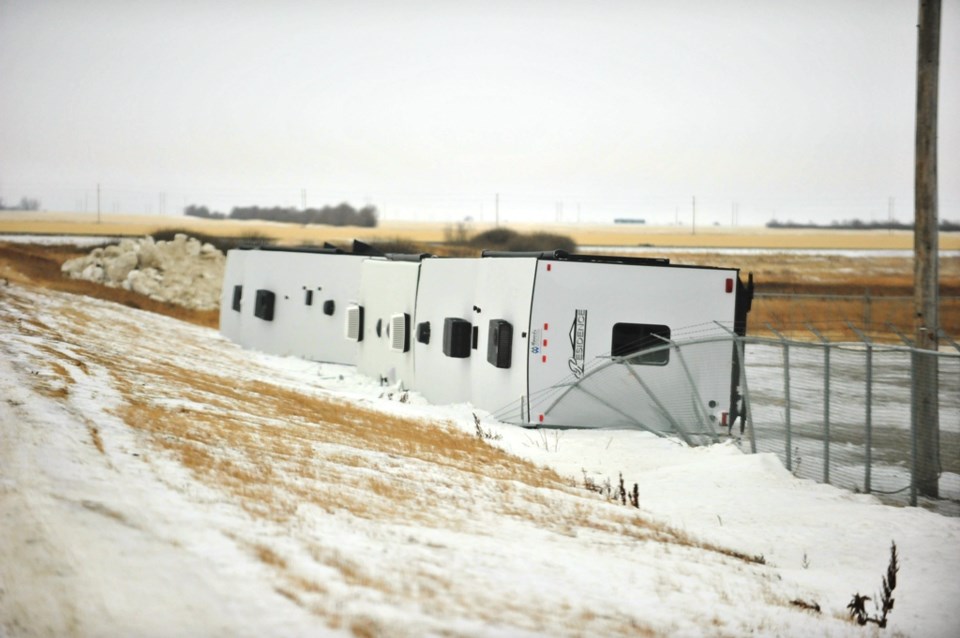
747 414
869 409
913 413
826 403
786 395
867 310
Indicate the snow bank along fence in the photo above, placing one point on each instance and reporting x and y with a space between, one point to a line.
845 413
551 339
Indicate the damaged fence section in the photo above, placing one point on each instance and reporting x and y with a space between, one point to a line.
841 413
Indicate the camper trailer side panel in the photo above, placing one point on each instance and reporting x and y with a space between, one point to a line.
234 296
504 292
302 284
582 312
388 289
445 293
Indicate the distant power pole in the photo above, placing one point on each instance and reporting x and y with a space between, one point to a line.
926 412
694 230
303 199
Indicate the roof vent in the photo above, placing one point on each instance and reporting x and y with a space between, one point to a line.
456 337
500 343
399 336
237 296
355 323
263 305
423 332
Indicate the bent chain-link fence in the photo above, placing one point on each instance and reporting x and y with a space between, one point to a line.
838 413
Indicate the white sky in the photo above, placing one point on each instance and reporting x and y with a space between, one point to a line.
800 110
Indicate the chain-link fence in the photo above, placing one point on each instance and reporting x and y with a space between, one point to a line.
847 414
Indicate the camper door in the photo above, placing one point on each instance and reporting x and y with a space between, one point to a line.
584 313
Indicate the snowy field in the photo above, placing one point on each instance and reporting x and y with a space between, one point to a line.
156 480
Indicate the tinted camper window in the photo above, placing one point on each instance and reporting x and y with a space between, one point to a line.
634 339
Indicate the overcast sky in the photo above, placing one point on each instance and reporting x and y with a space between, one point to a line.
790 109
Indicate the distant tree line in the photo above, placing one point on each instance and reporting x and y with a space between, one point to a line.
341 215
856 224
25 204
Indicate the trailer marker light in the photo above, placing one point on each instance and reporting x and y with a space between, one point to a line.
729 285
544 343
723 419
549 267
544 358
541 418
546 326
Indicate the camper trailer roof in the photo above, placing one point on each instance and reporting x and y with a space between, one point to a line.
562 255
326 249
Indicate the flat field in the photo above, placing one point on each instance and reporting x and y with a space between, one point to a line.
14 222
806 270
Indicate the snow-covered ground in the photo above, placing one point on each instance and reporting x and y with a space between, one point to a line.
157 480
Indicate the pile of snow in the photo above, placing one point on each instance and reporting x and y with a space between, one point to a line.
183 271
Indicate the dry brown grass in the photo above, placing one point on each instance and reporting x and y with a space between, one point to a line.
281 454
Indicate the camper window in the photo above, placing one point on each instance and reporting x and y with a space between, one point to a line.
642 343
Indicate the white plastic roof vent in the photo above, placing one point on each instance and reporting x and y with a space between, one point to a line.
355 323
399 336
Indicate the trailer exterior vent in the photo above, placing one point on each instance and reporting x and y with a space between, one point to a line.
329 307
642 343
423 332
457 335
237 296
263 305
500 343
354 323
399 335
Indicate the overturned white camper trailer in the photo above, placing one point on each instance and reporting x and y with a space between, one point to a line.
599 346
291 301
549 339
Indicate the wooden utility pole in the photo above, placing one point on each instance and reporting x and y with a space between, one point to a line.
926 412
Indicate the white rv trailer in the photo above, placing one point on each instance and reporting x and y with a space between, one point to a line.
380 321
584 341
547 339
291 302
589 312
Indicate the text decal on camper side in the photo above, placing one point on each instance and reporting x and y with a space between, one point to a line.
578 342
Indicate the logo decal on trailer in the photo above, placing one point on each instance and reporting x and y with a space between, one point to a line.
578 342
